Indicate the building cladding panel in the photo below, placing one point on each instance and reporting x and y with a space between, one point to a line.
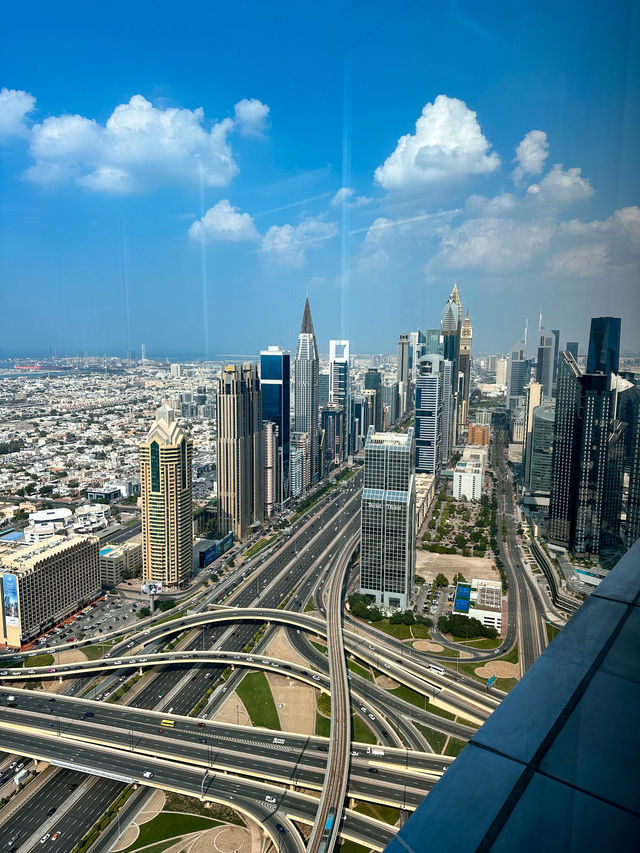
240 450
387 551
53 579
166 497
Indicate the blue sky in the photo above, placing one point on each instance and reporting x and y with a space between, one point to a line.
178 175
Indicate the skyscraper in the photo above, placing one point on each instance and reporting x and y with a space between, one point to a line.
556 352
373 382
532 398
387 533
240 450
450 327
518 370
447 440
403 373
540 451
275 382
464 367
428 430
632 418
339 383
604 345
272 469
306 369
323 389
545 361
572 347
333 424
165 491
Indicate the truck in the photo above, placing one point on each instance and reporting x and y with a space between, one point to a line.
372 750
20 776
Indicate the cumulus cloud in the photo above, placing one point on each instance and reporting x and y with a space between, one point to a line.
15 106
225 223
585 261
139 147
494 244
252 116
560 186
347 195
448 144
531 154
287 244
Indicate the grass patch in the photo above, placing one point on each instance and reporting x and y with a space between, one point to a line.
435 739
256 695
409 695
359 670
157 848
167 825
95 652
352 847
320 647
309 606
400 632
324 704
455 746
323 725
262 543
361 731
482 643
420 632
552 632
447 715
38 660
512 656
505 684
385 813
191 805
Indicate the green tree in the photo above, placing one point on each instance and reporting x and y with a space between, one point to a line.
395 618
441 580
408 618
142 612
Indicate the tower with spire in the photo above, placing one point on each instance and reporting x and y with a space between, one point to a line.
466 336
450 328
306 369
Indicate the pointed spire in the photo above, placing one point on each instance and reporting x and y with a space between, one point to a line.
307 322
467 321
455 295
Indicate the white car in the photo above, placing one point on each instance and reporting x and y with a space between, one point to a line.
269 799
148 774
45 838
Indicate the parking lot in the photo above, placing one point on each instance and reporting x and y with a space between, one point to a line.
434 602
104 615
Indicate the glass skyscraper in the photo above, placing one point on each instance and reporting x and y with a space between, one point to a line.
604 345
275 380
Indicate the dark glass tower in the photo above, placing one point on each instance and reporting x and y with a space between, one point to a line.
373 381
604 345
275 380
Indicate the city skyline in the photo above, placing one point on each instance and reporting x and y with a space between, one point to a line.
208 178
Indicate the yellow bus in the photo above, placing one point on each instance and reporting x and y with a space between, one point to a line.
169 723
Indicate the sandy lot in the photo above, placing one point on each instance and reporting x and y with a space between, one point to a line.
233 711
427 646
428 565
153 807
385 682
295 702
501 668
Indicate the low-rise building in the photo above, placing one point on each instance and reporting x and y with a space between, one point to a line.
425 493
479 434
46 523
91 517
481 600
116 561
45 582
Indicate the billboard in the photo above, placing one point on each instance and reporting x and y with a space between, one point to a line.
154 588
216 550
10 599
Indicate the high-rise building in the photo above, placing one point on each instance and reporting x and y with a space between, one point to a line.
240 450
403 373
306 369
519 367
165 491
604 345
541 448
532 398
572 347
417 348
387 535
502 368
275 384
339 383
323 389
556 352
175 371
447 439
631 416
434 342
272 468
301 442
483 416
373 382
545 360
450 327
583 429
464 367
428 430
333 425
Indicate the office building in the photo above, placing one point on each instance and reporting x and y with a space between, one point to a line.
46 523
176 371
323 389
632 418
301 441
468 474
306 369
464 367
373 382
417 348
450 328
240 450
556 352
165 490
428 429
44 583
479 434
518 370
572 347
275 385
434 342
339 383
502 368
540 452
447 438
390 401
545 360
272 469
604 345
403 374
532 398
483 417
388 515
332 422
585 434
118 562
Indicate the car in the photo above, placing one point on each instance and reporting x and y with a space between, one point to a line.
371 716
201 725
12 765
354 752
55 836
50 700
148 774
70 640
51 811
373 769
45 838
89 714
269 799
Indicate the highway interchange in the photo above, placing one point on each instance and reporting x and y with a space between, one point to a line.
218 625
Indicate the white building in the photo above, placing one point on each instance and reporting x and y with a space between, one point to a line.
469 473
425 493
92 517
46 523
481 600
501 371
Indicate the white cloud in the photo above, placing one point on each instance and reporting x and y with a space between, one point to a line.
560 186
15 106
287 244
494 244
347 195
584 261
252 116
138 148
500 204
623 223
448 144
531 154
222 222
